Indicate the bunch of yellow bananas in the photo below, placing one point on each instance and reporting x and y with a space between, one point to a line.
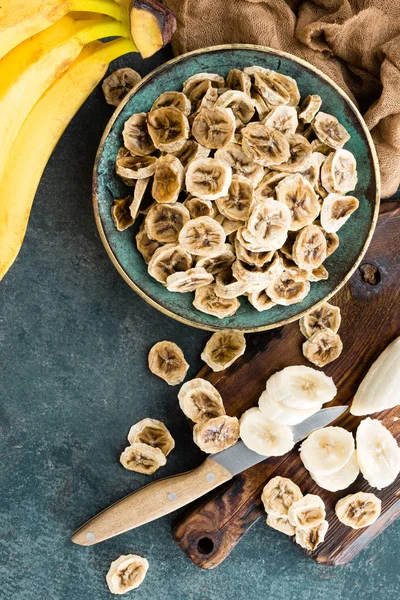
50 61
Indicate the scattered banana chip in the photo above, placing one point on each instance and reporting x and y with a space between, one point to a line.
168 128
216 434
325 316
286 290
378 453
300 197
312 537
126 573
299 154
200 401
241 105
323 347
121 214
283 118
278 496
260 300
207 300
142 458
264 436
135 167
269 223
238 80
152 432
118 84
166 360
281 524
218 263
199 208
164 222
190 151
358 510
223 348
238 202
307 512
327 450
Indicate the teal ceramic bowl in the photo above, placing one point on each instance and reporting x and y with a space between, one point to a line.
355 235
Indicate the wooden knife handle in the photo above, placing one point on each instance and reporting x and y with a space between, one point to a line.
152 502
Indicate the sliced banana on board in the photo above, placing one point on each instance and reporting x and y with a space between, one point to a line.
142 458
301 387
280 413
168 179
306 512
287 290
208 178
327 450
339 172
146 245
136 135
358 510
309 108
323 347
278 496
152 432
207 300
216 434
335 211
223 348
166 360
175 100
312 537
164 222
121 214
218 263
329 131
264 436
309 248
378 453
202 236
126 573
269 223
283 118
200 401
188 281
341 479
298 194
325 316
168 259
240 163
265 145
281 524
214 127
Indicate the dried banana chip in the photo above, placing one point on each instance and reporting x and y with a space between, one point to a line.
270 89
175 100
118 84
227 286
241 105
247 239
269 223
262 107
214 127
120 213
255 69
192 82
199 208
190 151
153 433
283 118
358 510
318 274
200 401
218 263
135 167
223 348
309 248
332 240
265 145
285 290
278 496
329 131
299 196
313 169
208 178
164 222
202 236
142 458
289 84
335 211
260 300
281 524
256 278
166 360
325 316
138 196
168 128
168 179
146 245
300 154
313 536
228 225
266 187
257 259
339 172
309 108
206 300
188 281
126 573
238 80
240 163
136 136
323 347
238 202
168 259
318 146
306 512
216 434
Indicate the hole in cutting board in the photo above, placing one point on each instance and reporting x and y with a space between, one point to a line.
205 545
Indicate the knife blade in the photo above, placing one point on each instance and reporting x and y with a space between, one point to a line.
164 496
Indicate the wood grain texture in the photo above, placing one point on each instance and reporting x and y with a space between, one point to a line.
370 321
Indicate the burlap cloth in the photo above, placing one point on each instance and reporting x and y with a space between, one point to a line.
356 42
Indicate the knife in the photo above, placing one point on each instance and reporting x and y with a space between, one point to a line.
166 495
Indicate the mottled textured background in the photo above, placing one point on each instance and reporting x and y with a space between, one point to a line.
73 377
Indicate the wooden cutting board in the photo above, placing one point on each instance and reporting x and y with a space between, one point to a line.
369 303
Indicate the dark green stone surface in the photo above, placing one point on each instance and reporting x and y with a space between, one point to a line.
73 345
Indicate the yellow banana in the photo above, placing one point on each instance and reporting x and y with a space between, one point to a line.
39 135
22 19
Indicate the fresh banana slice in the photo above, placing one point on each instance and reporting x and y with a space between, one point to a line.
307 512
238 80
309 248
218 263
358 510
335 211
240 103
240 163
192 82
313 169
298 194
116 86
202 236
329 131
283 118
269 223
278 412
327 450
264 436
164 222
227 286
257 259
260 300
168 128
208 178
146 245
238 202
223 348
136 136
207 300
175 100
168 259
301 387
190 151
217 434
120 213
265 145
378 454
142 458
300 154
126 573
323 347
313 536
339 172
285 290
341 479
166 360
266 187
214 127
189 280
135 167
278 496
152 432
199 208
325 316
318 274
228 225
281 524
309 108
168 179
200 401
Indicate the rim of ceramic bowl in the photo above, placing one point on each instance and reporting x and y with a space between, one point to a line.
153 74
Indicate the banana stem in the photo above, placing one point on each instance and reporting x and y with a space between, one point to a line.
104 7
